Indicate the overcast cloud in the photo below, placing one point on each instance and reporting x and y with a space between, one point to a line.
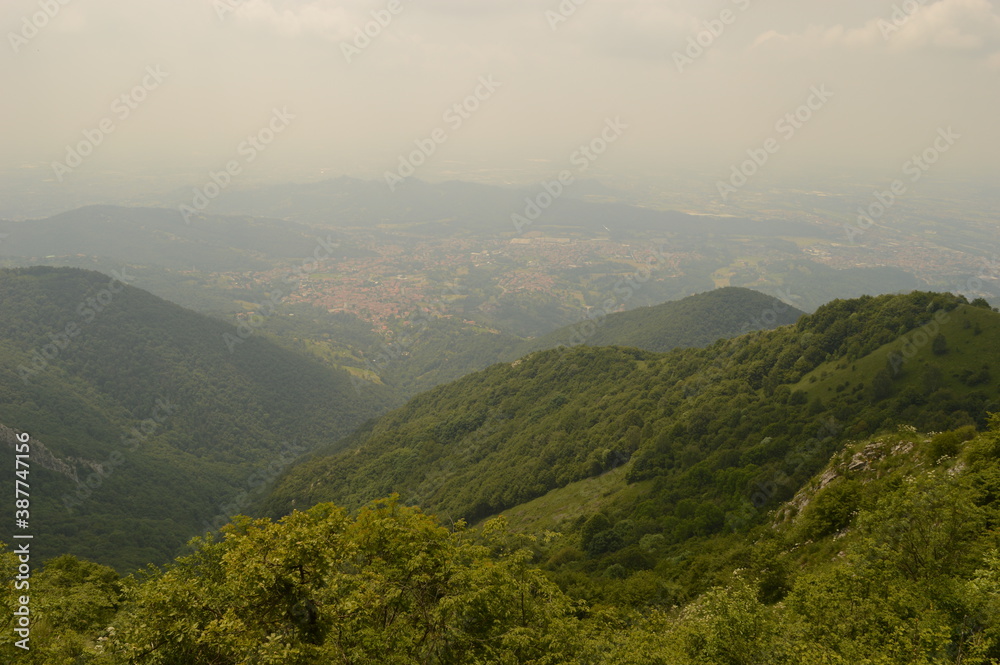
228 64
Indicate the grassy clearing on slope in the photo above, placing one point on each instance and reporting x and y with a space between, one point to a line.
967 353
561 507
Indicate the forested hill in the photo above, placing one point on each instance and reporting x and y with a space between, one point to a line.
446 350
149 425
696 428
697 320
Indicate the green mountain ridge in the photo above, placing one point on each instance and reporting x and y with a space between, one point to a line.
443 350
151 426
697 320
154 423
703 425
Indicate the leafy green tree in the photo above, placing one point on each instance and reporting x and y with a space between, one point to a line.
947 444
728 626
925 529
939 345
71 603
983 595
389 586
933 379
881 386
844 615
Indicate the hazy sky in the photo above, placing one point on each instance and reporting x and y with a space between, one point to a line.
226 65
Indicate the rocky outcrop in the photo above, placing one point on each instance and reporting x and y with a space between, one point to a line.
46 459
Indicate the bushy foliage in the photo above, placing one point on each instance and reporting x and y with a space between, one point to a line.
389 585
913 577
